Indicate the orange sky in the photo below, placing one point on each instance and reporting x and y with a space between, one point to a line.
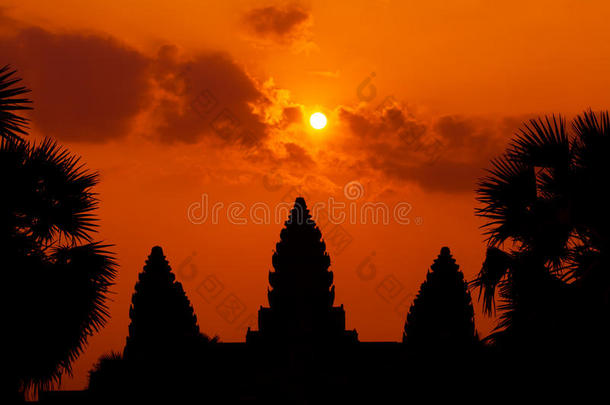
136 88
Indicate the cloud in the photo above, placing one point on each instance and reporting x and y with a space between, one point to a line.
208 95
276 21
283 25
297 155
292 115
85 87
383 123
93 88
455 130
442 154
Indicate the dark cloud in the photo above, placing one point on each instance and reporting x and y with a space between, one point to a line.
297 155
85 87
292 115
440 176
446 154
381 124
90 88
454 129
285 24
208 95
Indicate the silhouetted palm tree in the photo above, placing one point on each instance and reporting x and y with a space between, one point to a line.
12 126
56 278
545 200
109 376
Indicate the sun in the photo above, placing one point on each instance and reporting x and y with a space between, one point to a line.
317 120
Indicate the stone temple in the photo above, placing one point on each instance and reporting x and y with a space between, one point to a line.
301 297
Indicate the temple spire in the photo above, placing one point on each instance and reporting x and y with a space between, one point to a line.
301 293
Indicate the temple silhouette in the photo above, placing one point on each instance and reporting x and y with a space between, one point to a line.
302 293
301 352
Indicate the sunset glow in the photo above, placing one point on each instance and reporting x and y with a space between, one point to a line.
205 120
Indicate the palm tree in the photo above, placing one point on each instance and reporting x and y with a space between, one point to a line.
56 278
547 227
12 126
109 376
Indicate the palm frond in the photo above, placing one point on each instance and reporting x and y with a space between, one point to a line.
542 142
12 125
593 141
589 125
72 290
592 165
495 268
63 202
508 194
107 372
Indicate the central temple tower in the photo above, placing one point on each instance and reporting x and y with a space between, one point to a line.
302 293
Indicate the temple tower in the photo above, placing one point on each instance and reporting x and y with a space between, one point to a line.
301 293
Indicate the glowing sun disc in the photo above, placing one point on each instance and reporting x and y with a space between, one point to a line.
317 120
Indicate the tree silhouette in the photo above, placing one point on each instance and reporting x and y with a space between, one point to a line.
544 199
108 377
58 277
302 292
12 126
162 319
441 318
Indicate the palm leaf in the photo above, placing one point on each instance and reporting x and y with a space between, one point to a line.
592 167
71 306
49 191
542 142
12 125
507 194
495 268
590 126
